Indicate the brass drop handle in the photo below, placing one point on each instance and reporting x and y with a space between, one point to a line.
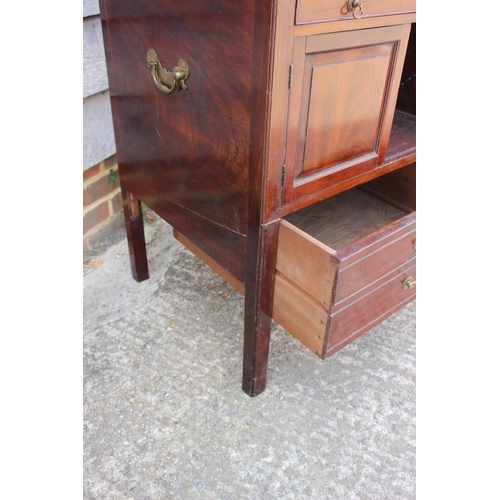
409 283
355 7
168 81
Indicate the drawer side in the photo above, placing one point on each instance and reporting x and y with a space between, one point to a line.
299 314
306 262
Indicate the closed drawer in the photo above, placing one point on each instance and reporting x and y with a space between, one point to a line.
342 265
314 11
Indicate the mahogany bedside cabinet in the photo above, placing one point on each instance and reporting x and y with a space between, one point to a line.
277 137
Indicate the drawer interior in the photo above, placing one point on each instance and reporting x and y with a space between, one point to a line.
352 215
346 218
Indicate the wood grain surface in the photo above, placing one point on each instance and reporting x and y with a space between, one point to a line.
386 297
191 147
330 10
271 123
342 104
346 218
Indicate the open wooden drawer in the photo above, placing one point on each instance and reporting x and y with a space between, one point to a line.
347 263
344 264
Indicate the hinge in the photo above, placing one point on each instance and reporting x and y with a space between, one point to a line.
290 76
283 175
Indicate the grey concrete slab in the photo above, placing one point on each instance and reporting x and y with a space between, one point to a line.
165 417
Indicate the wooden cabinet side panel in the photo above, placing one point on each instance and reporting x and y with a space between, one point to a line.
218 268
191 146
225 247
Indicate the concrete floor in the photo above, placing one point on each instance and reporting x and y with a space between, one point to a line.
165 416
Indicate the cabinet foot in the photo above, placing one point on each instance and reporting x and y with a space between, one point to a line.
135 235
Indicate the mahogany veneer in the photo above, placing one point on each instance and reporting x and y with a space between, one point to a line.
348 257
274 111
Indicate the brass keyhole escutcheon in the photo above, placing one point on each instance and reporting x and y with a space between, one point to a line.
355 7
409 283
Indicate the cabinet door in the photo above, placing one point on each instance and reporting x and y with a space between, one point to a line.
342 99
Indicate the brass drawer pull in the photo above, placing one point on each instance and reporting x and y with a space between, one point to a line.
168 81
355 7
409 283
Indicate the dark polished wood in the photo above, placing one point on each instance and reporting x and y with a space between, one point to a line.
191 147
341 267
407 95
288 103
259 294
399 188
262 239
227 247
401 151
134 225
342 103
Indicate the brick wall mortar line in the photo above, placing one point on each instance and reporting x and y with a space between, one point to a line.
111 209
96 203
98 177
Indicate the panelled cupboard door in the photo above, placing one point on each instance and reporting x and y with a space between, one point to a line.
342 100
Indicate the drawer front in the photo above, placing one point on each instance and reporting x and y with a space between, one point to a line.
316 269
314 11
376 256
371 307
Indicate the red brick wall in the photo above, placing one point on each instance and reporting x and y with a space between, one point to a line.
101 199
